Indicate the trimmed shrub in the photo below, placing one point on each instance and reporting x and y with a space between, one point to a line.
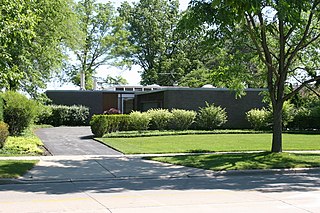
159 119
139 121
58 115
306 118
99 125
182 119
102 124
78 116
211 117
117 123
19 112
314 122
260 119
44 115
4 133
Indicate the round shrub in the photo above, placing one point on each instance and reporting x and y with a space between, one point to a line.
19 112
160 119
78 116
4 133
59 115
99 124
102 124
211 117
260 119
139 121
182 119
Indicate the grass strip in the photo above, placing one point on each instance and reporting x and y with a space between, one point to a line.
150 133
15 168
244 161
210 143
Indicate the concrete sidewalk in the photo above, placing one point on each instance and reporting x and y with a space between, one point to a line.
100 167
79 168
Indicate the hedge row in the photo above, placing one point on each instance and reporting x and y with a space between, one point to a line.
306 118
60 115
299 119
207 118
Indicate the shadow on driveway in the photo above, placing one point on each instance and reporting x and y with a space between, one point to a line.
72 141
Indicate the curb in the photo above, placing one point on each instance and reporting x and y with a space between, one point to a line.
5 181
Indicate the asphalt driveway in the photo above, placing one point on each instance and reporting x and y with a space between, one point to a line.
72 141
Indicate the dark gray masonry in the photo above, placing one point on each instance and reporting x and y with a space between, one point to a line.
97 101
167 98
192 99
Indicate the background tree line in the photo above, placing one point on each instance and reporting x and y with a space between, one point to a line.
44 39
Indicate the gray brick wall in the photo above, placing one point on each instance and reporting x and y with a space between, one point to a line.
91 99
192 99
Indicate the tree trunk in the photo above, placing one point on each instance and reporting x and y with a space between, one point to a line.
277 128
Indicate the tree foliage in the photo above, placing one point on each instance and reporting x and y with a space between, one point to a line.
283 34
153 43
157 45
33 36
100 40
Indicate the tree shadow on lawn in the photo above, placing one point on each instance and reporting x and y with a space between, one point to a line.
244 161
114 175
14 169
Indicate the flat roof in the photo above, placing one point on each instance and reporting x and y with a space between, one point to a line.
155 91
93 91
202 89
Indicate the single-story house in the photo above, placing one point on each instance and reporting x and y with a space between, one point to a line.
168 98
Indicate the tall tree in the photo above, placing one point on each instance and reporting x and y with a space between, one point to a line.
101 37
33 36
153 39
284 34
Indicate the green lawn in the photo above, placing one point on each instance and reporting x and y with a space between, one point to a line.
210 143
15 168
243 161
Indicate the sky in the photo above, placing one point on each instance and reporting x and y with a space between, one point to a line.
132 76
